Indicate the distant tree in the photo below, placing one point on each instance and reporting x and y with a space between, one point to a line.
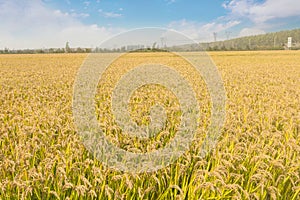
223 48
67 49
80 50
215 48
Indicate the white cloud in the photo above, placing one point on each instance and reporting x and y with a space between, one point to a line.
251 31
263 12
201 32
110 14
87 3
80 15
170 1
264 16
30 24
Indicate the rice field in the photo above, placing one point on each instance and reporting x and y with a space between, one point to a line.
257 156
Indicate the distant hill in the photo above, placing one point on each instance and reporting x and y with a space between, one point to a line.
269 41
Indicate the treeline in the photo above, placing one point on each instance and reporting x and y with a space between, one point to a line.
269 41
45 51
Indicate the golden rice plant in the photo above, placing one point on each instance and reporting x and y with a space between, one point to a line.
257 157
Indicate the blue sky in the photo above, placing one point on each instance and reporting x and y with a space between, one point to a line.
139 13
50 23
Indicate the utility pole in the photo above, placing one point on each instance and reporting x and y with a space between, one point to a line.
163 42
215 36
153 46
228 34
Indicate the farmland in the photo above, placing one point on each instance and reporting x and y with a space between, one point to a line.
257 156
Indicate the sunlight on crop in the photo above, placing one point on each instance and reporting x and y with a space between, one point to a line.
257 156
